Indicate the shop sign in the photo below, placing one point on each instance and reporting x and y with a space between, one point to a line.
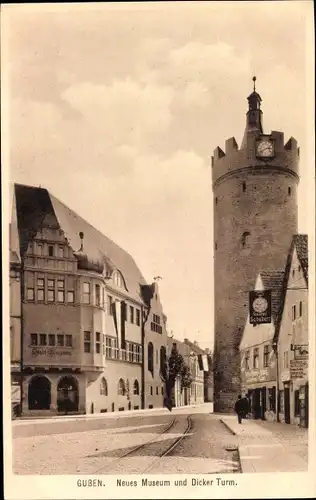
255 376
300 351
50 351
15 393
259 307
298 368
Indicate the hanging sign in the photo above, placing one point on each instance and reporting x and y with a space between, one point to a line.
260 307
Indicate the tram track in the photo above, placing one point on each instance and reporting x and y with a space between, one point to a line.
154 448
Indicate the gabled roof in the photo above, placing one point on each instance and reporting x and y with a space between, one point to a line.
273 280
37 208
300 244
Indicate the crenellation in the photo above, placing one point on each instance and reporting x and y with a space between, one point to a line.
278 138
218 153
291 144
231 145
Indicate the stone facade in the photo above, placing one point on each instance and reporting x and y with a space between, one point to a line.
255 216
293 346
87 322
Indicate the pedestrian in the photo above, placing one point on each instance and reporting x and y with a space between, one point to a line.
241 408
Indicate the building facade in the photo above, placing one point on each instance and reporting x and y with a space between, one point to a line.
258 357
191 353
255 216
15 317
292 337
87 319
274 356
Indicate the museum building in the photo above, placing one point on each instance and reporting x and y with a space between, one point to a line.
89 329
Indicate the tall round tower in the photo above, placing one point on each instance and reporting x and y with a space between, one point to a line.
255 216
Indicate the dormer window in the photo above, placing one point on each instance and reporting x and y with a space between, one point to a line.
117 279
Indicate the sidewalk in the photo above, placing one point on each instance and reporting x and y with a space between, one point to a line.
265 447
201 408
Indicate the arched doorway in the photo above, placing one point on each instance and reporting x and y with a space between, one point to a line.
39 393
67 394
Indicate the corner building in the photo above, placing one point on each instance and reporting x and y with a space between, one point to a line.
255 216
84 310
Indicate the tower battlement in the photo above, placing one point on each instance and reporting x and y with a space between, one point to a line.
235 159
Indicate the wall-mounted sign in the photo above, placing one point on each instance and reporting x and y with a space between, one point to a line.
300 351
255 376
50 351
260 307
298 368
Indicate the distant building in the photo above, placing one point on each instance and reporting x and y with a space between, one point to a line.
89 319
15 316
192 356
274 356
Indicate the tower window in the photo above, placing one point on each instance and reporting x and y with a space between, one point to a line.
216 200
289 190
245 239
244 187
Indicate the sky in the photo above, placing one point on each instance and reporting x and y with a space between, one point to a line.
117 108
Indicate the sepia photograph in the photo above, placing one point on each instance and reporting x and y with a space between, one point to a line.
158 199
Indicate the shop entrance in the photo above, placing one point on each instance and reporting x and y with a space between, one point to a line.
67 394
39 393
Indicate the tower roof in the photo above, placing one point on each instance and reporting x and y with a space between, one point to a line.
254 113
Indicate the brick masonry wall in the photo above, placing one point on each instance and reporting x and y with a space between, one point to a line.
266 208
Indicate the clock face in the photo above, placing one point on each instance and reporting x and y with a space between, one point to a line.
265 149
260 305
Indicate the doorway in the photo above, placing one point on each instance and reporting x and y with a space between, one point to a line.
287 417
39 393
263 405
67 394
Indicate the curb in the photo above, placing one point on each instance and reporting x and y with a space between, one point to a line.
228 428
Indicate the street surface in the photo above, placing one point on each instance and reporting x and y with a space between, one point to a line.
188 440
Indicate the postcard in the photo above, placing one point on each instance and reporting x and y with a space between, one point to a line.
158 187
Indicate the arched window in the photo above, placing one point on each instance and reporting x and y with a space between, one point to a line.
245 239
121 387
150 357
136 388
103 387
163 359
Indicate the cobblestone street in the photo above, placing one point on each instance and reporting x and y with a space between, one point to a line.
107 446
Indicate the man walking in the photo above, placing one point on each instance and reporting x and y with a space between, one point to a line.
241 408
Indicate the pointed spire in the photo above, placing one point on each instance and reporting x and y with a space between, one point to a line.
254 114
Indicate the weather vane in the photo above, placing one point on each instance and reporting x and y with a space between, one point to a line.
254 83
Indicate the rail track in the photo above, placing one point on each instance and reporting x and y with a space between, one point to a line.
152 448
